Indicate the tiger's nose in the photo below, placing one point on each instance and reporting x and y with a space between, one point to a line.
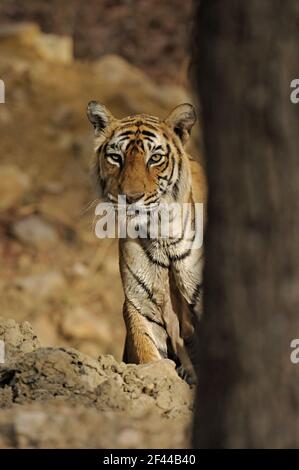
134 197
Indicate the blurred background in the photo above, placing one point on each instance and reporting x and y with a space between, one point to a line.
56 56
151 35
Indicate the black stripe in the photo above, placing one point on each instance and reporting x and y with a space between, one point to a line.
151 201
102 148
126 133
179 152
181 256
99 149
143 285
172 169
181 239
128 144
152 339
139 310
163 354
175 189
154 260
165 163
150 196
149 139
103 184
148 134
132 303
196 293
163 191
123 139
178 240
113 146
140 143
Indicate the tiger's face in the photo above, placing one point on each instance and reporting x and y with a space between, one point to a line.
141 157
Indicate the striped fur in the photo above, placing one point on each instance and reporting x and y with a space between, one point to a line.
144 158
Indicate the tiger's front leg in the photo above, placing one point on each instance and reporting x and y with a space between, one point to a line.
144 289
141 344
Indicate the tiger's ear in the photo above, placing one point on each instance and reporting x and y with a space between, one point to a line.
99 116
181 120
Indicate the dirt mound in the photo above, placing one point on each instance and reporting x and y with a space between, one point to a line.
74 393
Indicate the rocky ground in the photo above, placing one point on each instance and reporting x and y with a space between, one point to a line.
55 273
60 397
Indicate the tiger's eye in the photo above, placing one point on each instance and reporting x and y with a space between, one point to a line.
155 158
114 158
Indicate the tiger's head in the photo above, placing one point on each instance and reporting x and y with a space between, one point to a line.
141 157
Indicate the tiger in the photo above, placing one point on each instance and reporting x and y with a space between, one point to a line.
144 159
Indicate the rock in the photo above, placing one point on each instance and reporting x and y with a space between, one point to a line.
119 70
48 47
41 285
61 390
55 48
45 373
162 368
13 185
49 372
35 231
25 33
19 338
110 365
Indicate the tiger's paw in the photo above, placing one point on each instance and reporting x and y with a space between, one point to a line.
186 374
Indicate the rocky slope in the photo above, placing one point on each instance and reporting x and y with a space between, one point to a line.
60 397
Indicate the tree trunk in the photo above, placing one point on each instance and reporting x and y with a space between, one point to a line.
246 54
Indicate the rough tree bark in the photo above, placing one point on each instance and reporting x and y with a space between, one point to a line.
246 54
